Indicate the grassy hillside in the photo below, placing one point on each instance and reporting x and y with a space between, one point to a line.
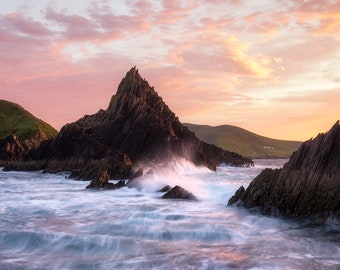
16 120
244 142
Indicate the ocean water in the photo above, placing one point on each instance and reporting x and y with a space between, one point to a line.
50 222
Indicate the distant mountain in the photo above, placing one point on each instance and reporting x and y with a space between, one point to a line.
20 131
244 142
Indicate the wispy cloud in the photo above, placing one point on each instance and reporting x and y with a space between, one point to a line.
213 62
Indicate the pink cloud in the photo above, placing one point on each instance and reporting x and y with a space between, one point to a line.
317 17
220 53
18 23
211 61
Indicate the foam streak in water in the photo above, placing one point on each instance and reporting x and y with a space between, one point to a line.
49 222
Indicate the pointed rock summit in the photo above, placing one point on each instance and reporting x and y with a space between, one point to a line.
308 184
136 127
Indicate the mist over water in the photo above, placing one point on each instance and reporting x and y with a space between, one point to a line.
49 222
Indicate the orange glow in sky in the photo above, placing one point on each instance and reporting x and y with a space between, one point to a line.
272 67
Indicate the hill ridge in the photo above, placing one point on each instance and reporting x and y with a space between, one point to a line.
20 131
243 141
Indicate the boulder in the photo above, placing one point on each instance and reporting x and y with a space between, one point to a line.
307 185
165 189
103 182
178 192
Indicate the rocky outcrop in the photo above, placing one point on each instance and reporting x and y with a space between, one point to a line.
14 149
137 180
20 132
11 149
165 189
103 183
178 192
137 127
308 184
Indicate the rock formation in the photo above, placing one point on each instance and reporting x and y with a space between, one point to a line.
20 132
165 189
11 149
103 182
137 127
308 184
178 192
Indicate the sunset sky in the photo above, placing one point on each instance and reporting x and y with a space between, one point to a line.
270 66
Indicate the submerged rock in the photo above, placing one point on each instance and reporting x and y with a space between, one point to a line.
139 173
308 184
164 189
137 180
136 127
178 192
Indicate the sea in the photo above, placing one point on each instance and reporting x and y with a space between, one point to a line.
48 221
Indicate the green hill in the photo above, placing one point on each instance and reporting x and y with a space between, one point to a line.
244 142
16 120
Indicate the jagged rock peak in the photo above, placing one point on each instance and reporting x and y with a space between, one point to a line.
137 99
133 86
137 127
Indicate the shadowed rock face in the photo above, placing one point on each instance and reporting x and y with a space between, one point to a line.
136 127
138 123
308 184
11 149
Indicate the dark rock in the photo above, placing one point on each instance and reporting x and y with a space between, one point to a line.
138 125
11 148
119 184
237 196
165 189
308 184
117 164
178 192
136 175
103 182
136 181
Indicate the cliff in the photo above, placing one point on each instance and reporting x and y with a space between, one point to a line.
308 184
137 127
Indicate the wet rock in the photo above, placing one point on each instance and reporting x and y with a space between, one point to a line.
165 189
238 195
137 174
103 182
117 165
178 192
307 185
136 181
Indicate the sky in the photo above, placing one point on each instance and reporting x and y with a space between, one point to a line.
269 66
